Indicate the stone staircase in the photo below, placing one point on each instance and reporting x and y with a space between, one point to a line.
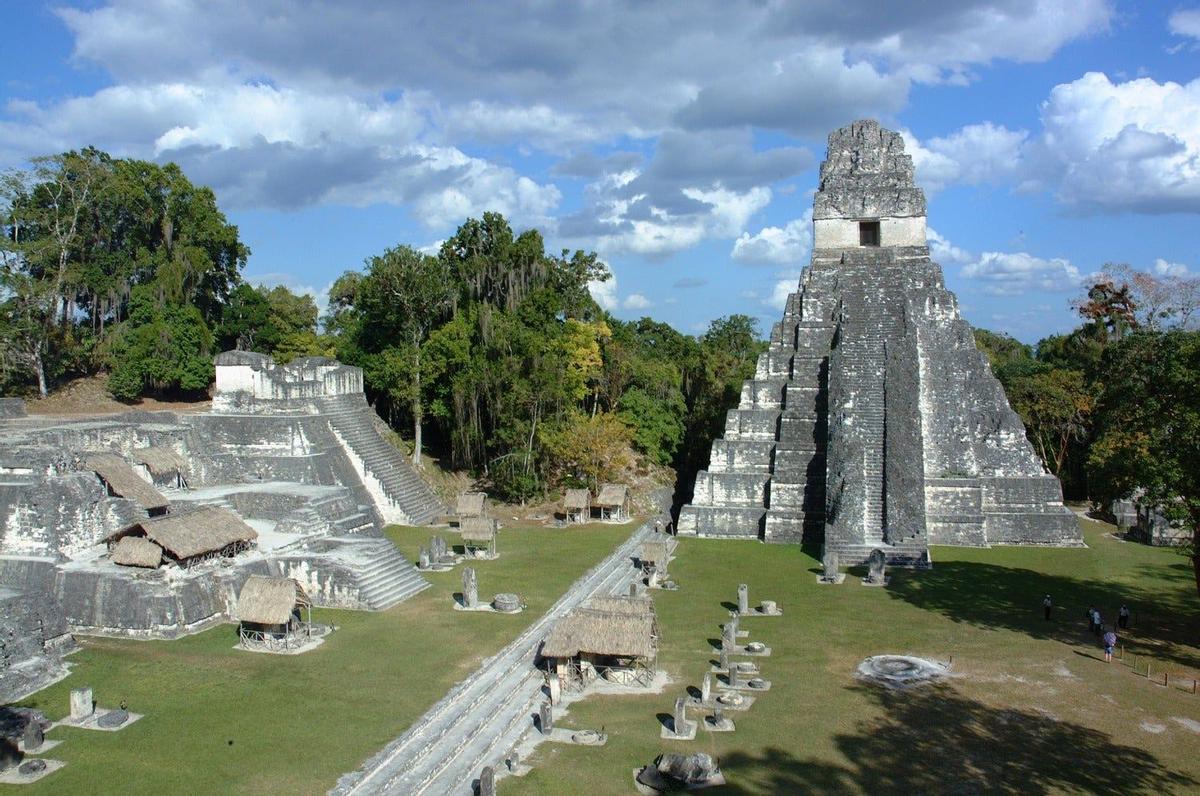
389 579
350 419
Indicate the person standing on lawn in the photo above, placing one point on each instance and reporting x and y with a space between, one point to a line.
1047 606
1123 617
1110 643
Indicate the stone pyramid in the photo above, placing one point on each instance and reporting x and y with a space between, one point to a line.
872 420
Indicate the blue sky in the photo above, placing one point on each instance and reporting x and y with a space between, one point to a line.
680 142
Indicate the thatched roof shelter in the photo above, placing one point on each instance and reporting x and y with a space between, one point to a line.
136 551
471 504
208 529
582 631
161 462
612 495
577 499
633 606
478 529
122 481
270 601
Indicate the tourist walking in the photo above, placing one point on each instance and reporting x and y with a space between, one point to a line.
1097 622
1091 616
1110 643
1047 605
1123 617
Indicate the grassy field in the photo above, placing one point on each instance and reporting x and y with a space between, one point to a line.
220 720
1031 706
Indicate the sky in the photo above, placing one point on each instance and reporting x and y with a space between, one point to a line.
679 141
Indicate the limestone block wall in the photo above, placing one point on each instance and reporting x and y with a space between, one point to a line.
60 515
842 233
33 633
249 382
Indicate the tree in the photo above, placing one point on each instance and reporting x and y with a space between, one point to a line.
164 348
1148 429
403 296
589 449
1056 406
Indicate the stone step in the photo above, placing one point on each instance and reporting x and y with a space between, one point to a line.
721 521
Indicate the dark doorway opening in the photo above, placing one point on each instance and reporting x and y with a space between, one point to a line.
868 233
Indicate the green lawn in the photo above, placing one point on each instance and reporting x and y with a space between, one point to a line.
1031 708
220 720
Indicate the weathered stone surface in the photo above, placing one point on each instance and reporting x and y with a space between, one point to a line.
487 781
470 588
113 718
829 564
876 566
545 718
10 756
82 704
506 602
33 737
30 767
743 599
872 420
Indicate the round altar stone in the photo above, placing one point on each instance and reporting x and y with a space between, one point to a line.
507 603
899 671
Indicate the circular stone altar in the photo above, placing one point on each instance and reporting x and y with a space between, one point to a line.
507 603
731 698
588 737
756 646
900 671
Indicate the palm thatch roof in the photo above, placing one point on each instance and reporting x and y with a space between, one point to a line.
205 530
124 482
269 601
160 461
655 552
622 635
612 495
634 606
470 504
477 529
135 551
577 499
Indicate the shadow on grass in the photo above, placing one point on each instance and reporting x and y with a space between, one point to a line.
994 596
934 740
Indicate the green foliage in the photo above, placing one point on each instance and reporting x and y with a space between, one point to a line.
82 232
160 348
588 449
1148 430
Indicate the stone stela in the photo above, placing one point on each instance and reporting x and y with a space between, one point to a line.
873 421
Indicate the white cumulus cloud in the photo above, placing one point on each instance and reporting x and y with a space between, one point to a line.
1014 273
790 243
636 301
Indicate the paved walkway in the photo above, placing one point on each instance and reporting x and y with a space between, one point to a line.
484 716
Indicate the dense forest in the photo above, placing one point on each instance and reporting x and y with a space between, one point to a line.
493 354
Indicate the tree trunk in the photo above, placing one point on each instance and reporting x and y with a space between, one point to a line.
40 367
416 410
1195 517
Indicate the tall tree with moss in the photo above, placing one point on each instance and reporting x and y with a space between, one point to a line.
1148 430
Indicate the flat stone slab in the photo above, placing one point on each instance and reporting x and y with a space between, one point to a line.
646 790
310 644
92 722
577 737
759 612
841 577
688 734
694 703
14 776
886 580
711 725
745 686
486 608
744 649
46 746
900 671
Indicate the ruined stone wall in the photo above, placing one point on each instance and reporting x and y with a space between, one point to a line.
33 635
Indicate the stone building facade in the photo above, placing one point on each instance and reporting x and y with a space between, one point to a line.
872 420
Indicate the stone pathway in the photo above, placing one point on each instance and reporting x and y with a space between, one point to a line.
483 717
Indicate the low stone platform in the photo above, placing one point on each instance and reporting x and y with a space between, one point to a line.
13 776
92 722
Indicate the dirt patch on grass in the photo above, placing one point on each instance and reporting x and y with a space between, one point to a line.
90 396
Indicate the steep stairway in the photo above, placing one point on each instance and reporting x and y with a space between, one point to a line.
410 497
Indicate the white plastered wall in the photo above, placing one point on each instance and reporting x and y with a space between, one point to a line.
842 233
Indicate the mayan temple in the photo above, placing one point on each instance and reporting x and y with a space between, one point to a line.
872 420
